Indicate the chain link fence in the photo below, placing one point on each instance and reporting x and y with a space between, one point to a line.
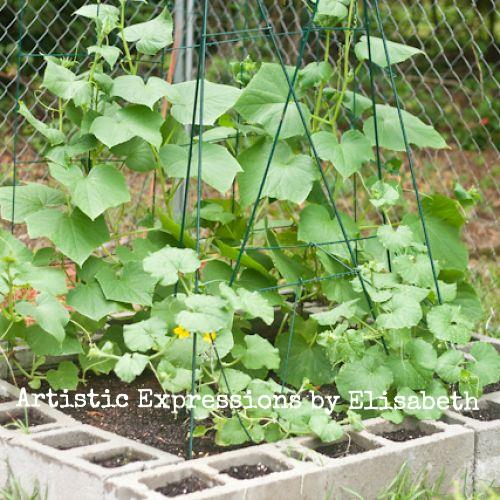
454 85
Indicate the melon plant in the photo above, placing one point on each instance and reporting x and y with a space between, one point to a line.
384 320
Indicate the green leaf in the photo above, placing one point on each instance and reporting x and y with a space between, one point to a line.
397 51
54 136
214 212
105 16
126 123
44 344
486 363
109 53
346 310
236 381
64 377
315 73
151 36
337 9
415 269
383 195
316 226
447 322
395 239
129 284
174 379
415 366
29 199
306 361
130 366
133 89
137 154
414 404
252 303
204 313
218 99
264 98
88 299
104 187
290 176
143 335
468 301
389 130
74 234
166 264
326 428
348 156
230 431
219 167
367 375
449 366
48 312
43 279
63 83
445 209
404 312
446 245
260 353
354 102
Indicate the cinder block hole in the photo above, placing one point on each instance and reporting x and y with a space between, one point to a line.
343 448
180 482
297 454
20 418
111 459
488 411
5 398
248 466
70 440
409 430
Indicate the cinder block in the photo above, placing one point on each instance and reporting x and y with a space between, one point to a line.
448 452
486 441
76 462
144 485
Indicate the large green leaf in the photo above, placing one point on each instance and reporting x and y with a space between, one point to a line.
305 361
346 310
102 188
104 15
137 154
129 284
316 226
130 366
264 98
348 156
74 234
446 244
414 402
449 366
290 176
153 35
108 52
166 264
314 74
367 375
143 335
133 89
397 51
44 344
260 353
89 300
48 312
395 239
204 313
404 311
54 136
486 363
133 121
63 83
218 166
64 377
29 199
43 279
217 100
447 322
390 135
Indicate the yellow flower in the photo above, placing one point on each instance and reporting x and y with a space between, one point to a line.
181 332
209 336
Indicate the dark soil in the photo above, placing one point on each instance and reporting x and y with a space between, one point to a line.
340 450
248 471
187 485
157 427
117 460
402 435
484 414
491 388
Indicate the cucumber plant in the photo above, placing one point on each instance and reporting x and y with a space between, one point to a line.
127 301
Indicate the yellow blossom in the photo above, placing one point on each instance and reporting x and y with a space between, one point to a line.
209 336
181 332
